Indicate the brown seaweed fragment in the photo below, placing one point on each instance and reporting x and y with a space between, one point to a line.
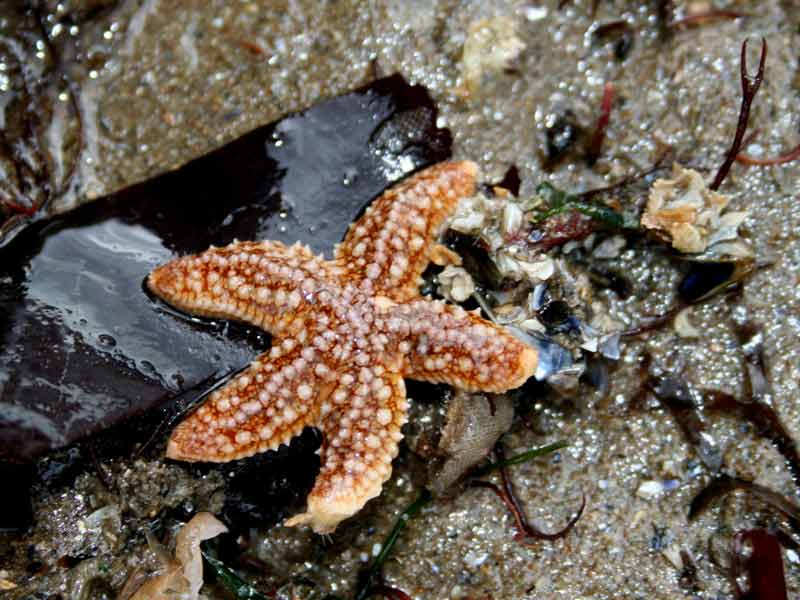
752 408
507 494
675 395
765 420
705 17
749 90
722 485
757 557
32 179
787 157
620 33
599 135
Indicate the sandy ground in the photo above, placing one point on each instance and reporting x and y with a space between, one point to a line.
168 81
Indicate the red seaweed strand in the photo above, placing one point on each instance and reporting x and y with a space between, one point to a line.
15 207
749 90
757 556
599 134
387 591
508 496
252 47
702 18
790 156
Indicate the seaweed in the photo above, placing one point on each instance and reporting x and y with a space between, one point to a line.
520 458
231 581
757 557
620 33
752 409
750 88
599 135
367 587
676 396
765 420
709 16
33 184
560 202
506 493
786 157
722 485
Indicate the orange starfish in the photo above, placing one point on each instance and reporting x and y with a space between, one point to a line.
345 333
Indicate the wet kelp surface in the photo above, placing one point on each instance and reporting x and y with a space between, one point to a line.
581 98
84 345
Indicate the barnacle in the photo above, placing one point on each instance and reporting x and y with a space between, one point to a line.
687 213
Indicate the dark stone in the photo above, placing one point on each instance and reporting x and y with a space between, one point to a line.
253 500
16 514
702 278
85 348
561 135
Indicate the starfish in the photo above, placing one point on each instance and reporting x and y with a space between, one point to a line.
345 333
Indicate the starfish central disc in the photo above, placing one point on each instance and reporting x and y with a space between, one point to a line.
345 333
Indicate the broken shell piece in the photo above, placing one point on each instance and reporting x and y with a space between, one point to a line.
490 47
538 270
512 219
683 326
469 216
685 212
183 577
534 270
474 424
455 284
605 344
609 248
553 358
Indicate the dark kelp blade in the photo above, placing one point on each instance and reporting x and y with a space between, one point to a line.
757 557
675 395
722 485
84 347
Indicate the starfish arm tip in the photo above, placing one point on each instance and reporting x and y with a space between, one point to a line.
320 522
470 168
175 450
528 361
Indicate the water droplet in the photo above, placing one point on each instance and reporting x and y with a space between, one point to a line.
147 367
106 340
350 176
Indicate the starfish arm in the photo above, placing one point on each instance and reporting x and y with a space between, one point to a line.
391 243
361 423
261 408
262 283
446 344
